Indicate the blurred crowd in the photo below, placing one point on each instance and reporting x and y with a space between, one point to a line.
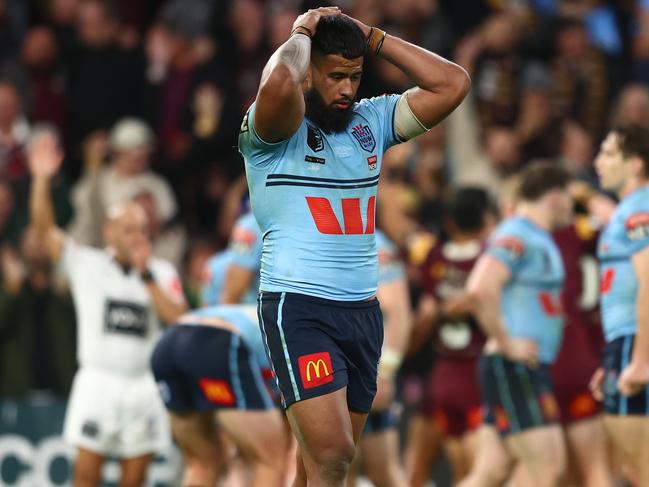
147 98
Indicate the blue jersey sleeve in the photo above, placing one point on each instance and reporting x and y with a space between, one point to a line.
381 111
509 248
257 151
246 243
636 226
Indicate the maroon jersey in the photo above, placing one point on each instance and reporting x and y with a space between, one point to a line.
582 338
444 274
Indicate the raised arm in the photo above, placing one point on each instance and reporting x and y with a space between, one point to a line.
441 84
45 157
279 108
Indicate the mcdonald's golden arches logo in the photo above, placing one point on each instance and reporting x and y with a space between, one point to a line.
315 369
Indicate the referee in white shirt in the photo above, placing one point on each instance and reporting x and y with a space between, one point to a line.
121 295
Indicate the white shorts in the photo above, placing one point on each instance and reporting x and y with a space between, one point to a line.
114 415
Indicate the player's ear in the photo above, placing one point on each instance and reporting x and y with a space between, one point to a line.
637 168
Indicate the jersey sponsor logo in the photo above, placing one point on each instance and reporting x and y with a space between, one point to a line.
606 283
549 407
364 136
637 226
512 245
315 369
217 391
455 336
314 138
90 428
126 318
582 406
371 162
551 305
244 124
315 160
474 417
242 240
500 418
327 223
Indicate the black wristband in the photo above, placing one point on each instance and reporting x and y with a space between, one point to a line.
146 276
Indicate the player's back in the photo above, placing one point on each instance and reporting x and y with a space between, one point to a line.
531 299
444 275
244 249
244 319
626 234
214 277
314 197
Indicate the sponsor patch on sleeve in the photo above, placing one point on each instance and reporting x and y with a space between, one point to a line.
242 240
513 246
637 226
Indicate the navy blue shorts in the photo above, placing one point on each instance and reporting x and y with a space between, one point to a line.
379 421
203 368
318 346
617 355
516 397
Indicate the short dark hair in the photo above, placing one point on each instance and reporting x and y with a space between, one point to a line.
336 34
633 141
467 208
540 178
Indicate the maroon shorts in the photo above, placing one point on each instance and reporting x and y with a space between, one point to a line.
453 398
571 374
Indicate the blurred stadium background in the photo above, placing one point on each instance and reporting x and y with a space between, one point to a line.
148 96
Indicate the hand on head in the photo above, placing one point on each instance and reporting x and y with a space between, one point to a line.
310 18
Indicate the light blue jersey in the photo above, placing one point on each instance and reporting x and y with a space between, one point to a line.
214 277
626 234
314 197
244 319
390 266
531 299
244 250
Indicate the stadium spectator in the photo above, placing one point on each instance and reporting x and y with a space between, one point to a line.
40 59
127 175
9 228
13 132
105 79
631 106
37 323
581 84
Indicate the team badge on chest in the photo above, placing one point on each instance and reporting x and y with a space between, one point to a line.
364 136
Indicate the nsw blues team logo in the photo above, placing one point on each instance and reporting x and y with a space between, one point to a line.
364 136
